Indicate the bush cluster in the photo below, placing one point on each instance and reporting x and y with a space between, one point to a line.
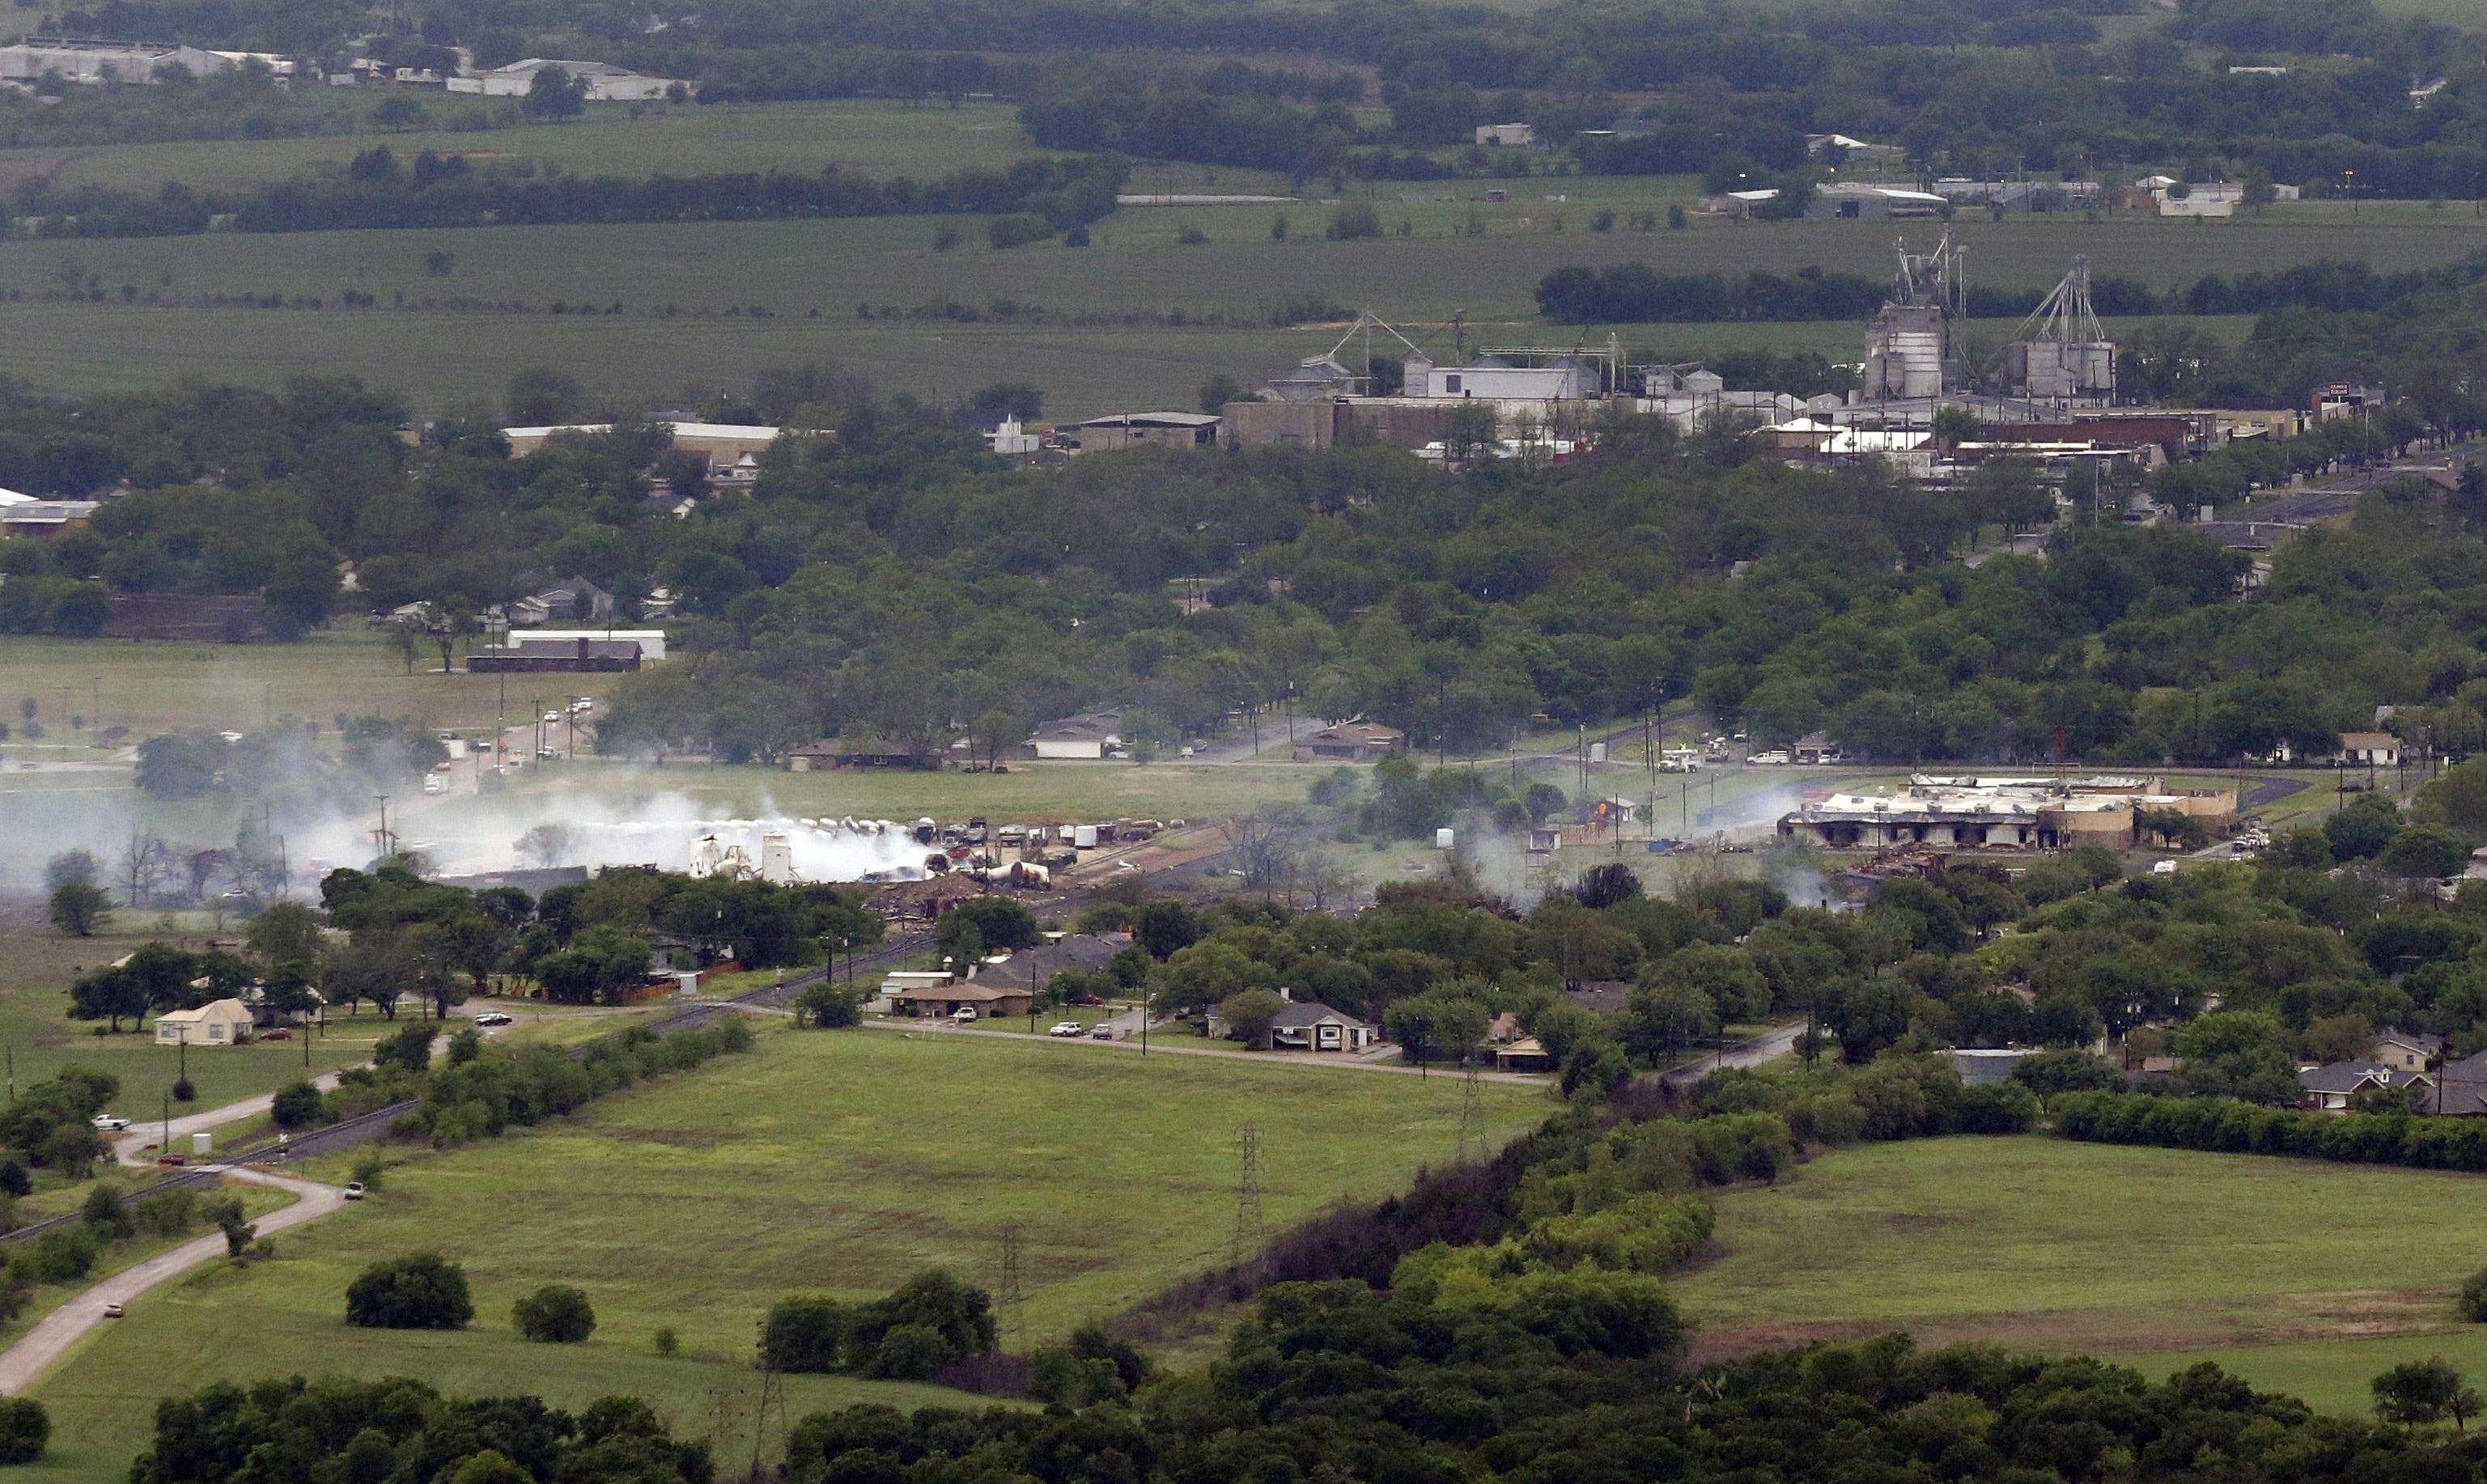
481 1098
930 1322
2226 1126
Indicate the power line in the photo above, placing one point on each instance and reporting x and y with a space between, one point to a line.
1472 1109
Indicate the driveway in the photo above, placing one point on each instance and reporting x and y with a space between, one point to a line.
43 1346
1767 1047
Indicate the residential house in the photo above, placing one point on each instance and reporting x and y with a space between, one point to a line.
1090 735
989 1001
1349 742
2329 1089
2405 1051
1814 747
217 1022
871 750
2358 749
575 601
1309 1026
1031 969
1526 1054
1507 135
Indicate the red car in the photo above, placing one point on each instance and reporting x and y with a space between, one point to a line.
276 1035
173 1158
1089 1000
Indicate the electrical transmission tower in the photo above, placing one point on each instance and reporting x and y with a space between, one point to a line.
1249 1229
1012 1297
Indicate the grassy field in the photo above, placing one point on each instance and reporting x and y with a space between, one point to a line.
36 967
823 1162
877 138
152 688
2063 1246
1095 327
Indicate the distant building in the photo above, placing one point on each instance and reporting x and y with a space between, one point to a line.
2370 749
1087 737
217 1022
1349 742
604 83
725 444
576 600
868 751
1972 813
91 63
1149 430
1509 135
542 656
651 641
42 519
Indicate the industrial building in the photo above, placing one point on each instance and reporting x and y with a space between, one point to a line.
2062 354
1909 350
540 655
1147 430
602 82
91 63
1982 813
733 450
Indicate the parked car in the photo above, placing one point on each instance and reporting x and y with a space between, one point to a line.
1102 1033
435 784
547 753
493 1018
353 1190
106 1123
1771 759
966 1016
2163 868
174 1159
112 1311
278 1034
1089 1001
1067 1028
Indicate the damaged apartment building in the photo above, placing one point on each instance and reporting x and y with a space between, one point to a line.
2010 814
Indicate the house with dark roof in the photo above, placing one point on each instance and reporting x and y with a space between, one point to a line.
867 751
1349 742
2329 1089
989 1001
580 655
2406 1050
1033 968
1309 1026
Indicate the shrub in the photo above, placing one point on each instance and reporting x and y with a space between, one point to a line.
1354 219
2472 1302
556 1314
423 1292
186 1091
24 1428
296 1107
166 1215
409 1048
106 1213
667 1342
62 1256
14 1179
1009 232
369 1169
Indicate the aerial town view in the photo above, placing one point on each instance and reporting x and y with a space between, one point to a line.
1242 742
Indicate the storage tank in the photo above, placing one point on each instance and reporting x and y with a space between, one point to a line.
1083 837
1443 838
776 861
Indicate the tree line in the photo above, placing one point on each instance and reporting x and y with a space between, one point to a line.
1633 293
436 192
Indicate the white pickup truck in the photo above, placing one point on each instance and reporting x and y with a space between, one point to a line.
106 1123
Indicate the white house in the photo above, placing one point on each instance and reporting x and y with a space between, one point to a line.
1309 1026
217 1022
1090 736
1510 135
2370 750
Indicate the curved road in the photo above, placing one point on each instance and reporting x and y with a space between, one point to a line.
44 1345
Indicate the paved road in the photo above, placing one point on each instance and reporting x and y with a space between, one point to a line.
43 1346
1767 1047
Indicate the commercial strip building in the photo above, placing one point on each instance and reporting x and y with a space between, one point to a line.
1999 813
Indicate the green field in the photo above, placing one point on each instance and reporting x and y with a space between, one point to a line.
1096 327
876 138
834 1162
2044 1244
152 688
36 967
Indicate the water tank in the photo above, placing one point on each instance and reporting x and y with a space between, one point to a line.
202 1143
1443 838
